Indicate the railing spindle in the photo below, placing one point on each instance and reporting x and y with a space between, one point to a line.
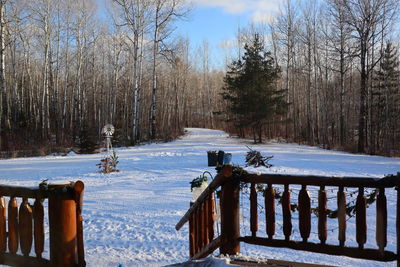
191 234
196 232
202 226
25 227
322 210
38 227
304 213
206 220
199 227
341 202
381 220
13 225
287 213
211 212
361 218
270 210
398 223
253 210
3 222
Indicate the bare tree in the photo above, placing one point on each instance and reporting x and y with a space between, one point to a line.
165 12
368 20
135 16
338 40
2 62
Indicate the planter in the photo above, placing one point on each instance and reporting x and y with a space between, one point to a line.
212 158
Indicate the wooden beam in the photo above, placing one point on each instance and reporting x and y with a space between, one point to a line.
19 191
19 260
388 181
353 252
207 250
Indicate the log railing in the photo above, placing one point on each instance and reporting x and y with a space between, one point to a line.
201 215
230 228
22 227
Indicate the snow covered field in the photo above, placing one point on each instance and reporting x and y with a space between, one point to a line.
130 216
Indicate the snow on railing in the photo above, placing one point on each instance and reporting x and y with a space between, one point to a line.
26 225
229 242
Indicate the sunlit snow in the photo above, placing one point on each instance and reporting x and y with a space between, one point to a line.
130 216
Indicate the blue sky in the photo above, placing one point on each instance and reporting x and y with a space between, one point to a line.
212 24
217 21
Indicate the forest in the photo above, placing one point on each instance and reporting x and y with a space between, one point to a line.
67 69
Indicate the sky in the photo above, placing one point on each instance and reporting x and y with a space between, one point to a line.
217 21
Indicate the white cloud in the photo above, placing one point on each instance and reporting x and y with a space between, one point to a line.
228 6
260 10
224 44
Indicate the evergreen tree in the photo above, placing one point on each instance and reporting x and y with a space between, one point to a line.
387 99
250 89
87 140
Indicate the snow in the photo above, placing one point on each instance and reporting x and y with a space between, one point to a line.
130 216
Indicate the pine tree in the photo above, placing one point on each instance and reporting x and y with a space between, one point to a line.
387 99
87 140
250 89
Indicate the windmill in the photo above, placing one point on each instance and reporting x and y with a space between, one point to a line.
108 131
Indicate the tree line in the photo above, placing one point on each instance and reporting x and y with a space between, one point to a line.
65 71
340 70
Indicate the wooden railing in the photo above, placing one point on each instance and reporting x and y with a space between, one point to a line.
26 225
229 240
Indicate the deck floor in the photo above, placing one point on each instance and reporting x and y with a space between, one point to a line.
277 263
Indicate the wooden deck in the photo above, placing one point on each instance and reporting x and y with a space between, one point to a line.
276 263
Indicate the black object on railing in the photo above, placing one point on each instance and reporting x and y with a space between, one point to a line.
212 158
221 157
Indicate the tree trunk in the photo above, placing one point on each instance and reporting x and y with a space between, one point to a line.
363 90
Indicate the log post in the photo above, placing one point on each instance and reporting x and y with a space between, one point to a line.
361 218
381 220
341 202
253 210
63 228
25 227
13 225
322 208
287 213
230 208
38 227
270 210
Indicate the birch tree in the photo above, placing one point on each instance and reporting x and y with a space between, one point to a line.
135 17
